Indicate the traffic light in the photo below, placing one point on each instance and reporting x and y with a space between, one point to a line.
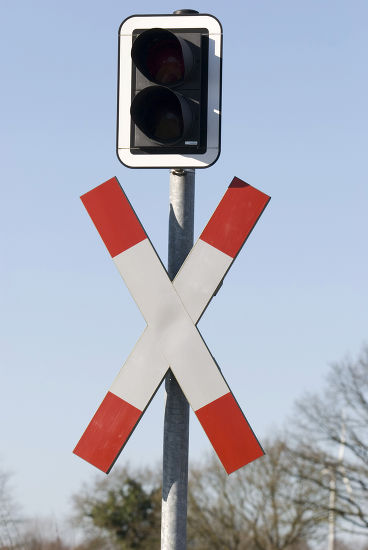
169 98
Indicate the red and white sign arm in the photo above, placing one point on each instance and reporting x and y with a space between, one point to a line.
218 245
211 257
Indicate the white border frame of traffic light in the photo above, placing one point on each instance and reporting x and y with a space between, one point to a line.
193 21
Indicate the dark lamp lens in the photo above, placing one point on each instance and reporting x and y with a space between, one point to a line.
158 113
165 122
162 57
165 63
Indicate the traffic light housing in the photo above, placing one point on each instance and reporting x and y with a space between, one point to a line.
169 98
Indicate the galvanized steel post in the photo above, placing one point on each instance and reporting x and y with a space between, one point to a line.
176 423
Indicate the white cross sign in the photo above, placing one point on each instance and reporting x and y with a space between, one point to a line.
171 339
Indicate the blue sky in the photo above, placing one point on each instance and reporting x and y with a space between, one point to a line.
294 125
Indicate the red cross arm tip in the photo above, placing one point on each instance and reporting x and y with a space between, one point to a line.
229 432
235 217
107 433
113 217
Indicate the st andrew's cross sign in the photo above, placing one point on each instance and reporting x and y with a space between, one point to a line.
171 339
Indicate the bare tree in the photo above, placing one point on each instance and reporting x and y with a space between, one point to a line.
42 534
18 533
9 515
330 431
260 507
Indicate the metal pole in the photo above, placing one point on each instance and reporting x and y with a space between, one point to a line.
176 423
331 512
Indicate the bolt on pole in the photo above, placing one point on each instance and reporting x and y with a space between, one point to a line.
176 423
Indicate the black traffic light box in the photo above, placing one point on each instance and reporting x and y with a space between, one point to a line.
169 98
169 91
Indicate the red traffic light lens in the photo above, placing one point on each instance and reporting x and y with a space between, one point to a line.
162 57
165 62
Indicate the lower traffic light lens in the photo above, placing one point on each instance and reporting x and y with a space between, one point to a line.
158 113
